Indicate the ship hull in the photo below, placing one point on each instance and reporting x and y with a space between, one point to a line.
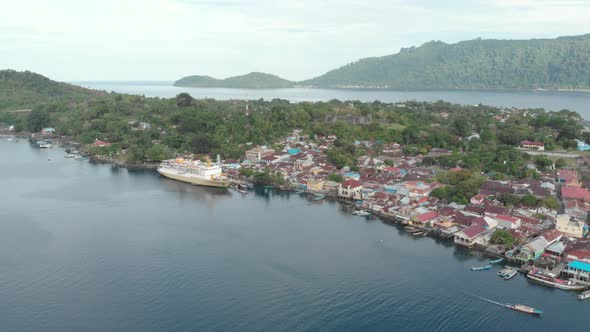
195 180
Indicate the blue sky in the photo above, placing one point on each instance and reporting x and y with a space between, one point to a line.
297 39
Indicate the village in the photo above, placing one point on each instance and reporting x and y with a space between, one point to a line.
549 242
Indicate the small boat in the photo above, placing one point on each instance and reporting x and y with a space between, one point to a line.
69 155
361 213
299 191
481 268
418 233
523 308
584 295
507 273
496 261
410 228
318 197
241 191
268 187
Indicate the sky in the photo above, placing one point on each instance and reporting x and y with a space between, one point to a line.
80 40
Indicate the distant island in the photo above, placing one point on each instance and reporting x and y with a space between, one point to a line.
248 81
556 64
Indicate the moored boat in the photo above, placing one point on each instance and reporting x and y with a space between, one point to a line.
361 213
553 281
481 268
496 261
584 295
507 273
194 172
318 197
299 191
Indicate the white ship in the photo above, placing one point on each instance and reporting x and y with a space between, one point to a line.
195 172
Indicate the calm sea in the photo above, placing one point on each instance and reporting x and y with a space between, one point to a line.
549 100
86 247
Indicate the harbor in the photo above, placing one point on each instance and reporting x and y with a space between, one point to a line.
138 240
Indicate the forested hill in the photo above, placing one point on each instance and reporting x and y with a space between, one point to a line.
27 89
561 63
248 81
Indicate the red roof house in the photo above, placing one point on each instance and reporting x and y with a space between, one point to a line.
575 193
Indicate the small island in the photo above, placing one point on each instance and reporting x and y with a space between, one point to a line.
249 81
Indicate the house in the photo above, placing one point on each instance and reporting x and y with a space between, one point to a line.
507 222
575 193
571 227
532 145
427 217
101 144
467 236
477 199
47 131
11 128
569 177
256 154
350 190
578 270
315 184
578 251
303 163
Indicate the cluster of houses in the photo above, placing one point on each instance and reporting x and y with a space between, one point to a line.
397 187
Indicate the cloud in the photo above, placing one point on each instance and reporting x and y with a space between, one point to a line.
297 39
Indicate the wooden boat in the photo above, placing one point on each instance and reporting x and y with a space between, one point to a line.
361 213
523 308
418 233
507 273
548 280
496 261
318 197
299 191
481 268
584 295
241 191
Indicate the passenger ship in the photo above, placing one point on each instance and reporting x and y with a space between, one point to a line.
194 172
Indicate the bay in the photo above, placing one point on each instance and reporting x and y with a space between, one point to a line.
549 100
87 247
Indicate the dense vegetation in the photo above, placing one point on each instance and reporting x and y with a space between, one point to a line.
248 81
24 89
154 128
561 63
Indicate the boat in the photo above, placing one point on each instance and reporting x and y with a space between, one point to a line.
299 191
361 213
318 197
516 307
584 295
241 191
553 281
195 172
268 187
523 308
507 273
496 261
69 155
481 268
418 233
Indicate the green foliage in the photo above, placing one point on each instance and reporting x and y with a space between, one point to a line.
560 163
158 152
503 237
248 81
475 64
336 177
508 199
549 203
38 119
529 200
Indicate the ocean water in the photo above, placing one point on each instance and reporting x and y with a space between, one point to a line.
549 100
87 247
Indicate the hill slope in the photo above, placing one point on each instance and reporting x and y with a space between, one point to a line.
561 63
26 89
248 81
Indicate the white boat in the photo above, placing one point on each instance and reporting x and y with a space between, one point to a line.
361 213
507 273
584 295
569 285
194 172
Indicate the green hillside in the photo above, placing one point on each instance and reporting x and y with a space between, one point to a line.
27 89
248 81
561 63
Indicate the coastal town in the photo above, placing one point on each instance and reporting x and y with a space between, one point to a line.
536 224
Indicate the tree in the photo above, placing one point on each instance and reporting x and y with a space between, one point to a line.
38 119
184 100
549 203
508 199
336 177
529 200
560 163
158 152
440 193
503 237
